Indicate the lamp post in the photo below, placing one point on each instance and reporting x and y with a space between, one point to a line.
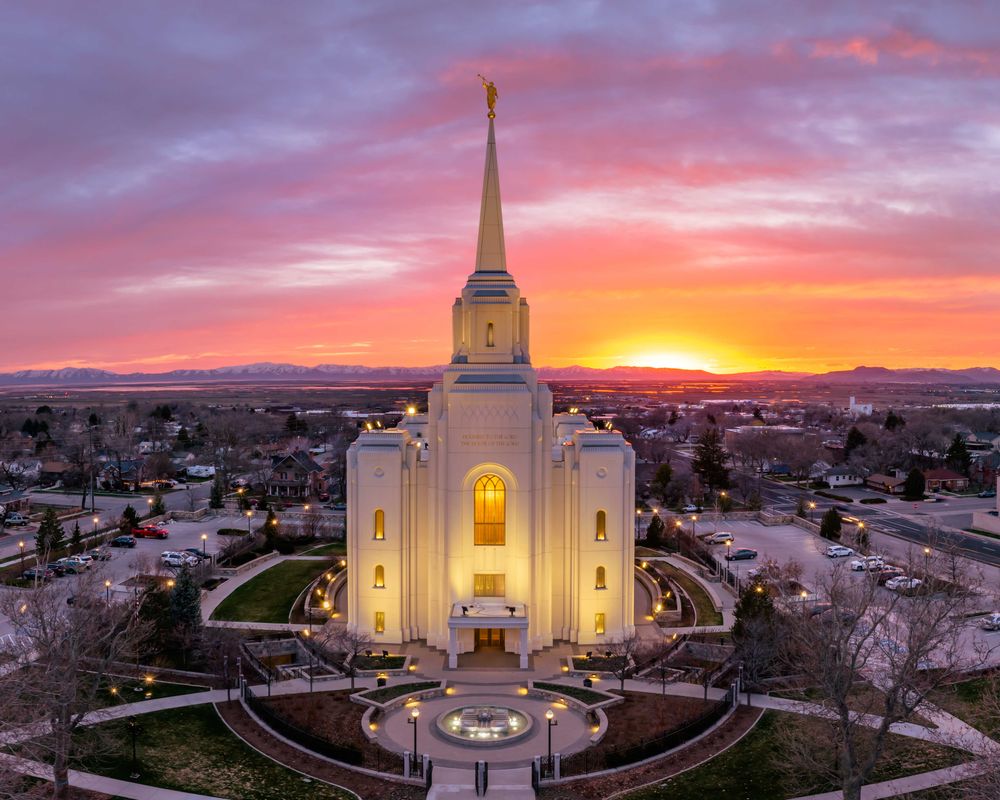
812 511
96 521
133 726
20 546
412 720
107 591
551 723
149 506
249 517
927 556
305 635
638 519
694 519
204 545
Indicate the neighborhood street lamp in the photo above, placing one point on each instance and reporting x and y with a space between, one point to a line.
204 545
96 521
107 591
249 517
812 510
412 720
552 722
20 546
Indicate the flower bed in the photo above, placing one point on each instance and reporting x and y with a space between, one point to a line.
384 694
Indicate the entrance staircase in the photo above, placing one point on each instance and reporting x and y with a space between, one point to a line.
453 783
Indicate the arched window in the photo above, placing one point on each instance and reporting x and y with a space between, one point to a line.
602 526
380 576
380 622
600 582
490 511
599 623
379 523
489 334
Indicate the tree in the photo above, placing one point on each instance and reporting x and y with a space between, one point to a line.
185 612
866 636
215 499
893 421
756 634
709 460
296 426
50 536
830 525
801 509
271 530
654 533
958 457
854 440
157 508
914 486
624 656
129 520
61 658
661 481
183 439
76 539
344 646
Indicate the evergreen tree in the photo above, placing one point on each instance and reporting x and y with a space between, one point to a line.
185 601
829 527
157 508
958 457
661 482
129 520
893 421
183 440
915 485
801 510
854 440
272 530
758 414
755 603
50 535
654 533
710 460
76 539
215 500
672 420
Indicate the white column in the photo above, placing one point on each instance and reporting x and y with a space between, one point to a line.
524 648
452 648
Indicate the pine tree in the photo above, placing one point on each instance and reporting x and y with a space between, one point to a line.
893 421
854 440
183 440
129 520
271 528
185 601
710 460
801 509
958 457
654 533
157 509
215 500
755 603
76 539
50 535
661 482
915 485
829 527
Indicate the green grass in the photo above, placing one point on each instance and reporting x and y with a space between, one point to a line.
366 663
331 549
752 769
970 702
704 607
387 693
584 695
268 597
125 690
192 750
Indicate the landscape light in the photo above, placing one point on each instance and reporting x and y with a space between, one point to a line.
411 410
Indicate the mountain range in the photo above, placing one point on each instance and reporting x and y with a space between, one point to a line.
336 373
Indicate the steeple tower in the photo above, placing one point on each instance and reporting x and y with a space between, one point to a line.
490 253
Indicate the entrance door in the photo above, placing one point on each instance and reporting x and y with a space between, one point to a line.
490 639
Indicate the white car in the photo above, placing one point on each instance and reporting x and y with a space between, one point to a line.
869 563
991 622
720 537
171 559
838 551
902 583
691 509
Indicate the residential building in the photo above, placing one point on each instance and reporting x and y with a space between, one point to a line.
843 476
295 475
885 483
947 479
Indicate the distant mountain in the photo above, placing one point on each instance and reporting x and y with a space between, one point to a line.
293 373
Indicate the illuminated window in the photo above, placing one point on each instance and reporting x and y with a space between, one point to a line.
599 623
602 526
489 585
490 513
380 621
379 523
379 576
600 581
489 334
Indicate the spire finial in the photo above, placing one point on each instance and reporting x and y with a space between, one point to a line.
491 96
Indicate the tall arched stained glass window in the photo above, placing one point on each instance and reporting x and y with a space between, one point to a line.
490 514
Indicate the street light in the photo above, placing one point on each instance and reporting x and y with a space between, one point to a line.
96 521
249 517
204 545
20 546
552 722
412 720
133 726
812 510
107 591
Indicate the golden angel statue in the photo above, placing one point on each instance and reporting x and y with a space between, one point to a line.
491 96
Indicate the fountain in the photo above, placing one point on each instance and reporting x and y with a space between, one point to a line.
484 724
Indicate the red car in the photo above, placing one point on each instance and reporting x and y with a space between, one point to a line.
150 532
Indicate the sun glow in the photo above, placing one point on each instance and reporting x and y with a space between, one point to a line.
677 360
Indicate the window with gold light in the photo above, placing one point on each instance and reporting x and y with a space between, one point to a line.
379 523
599 622
379 622
379 576
490 511
602 526
489 584
600 581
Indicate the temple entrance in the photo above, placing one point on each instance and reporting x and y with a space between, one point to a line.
490 639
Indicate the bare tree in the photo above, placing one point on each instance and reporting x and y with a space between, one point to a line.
625 655
898 646
345 644
59 669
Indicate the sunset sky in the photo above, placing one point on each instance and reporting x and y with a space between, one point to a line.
724 185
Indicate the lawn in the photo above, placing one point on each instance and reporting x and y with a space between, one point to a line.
704 607
970 701
752 768
584 695
116 690
330 549
268 597
191 749
387 693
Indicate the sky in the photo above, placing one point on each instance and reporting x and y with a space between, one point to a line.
733 186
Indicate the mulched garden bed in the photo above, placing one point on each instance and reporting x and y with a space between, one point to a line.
367 787
599 788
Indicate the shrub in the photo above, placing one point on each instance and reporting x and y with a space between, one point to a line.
839 497
284 546
231 532
868 501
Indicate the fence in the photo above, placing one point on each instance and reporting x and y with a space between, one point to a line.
592 760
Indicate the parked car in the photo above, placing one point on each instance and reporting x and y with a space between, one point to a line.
14 518
867 563
988 493
195 552
691 509
991 622
171 559
86 559
99 554
123 541
903 583
720 537
339 506
150 532
887 573
838 551
73 565
38 573
56 568
742 554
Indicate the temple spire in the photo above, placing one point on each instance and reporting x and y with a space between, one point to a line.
490 253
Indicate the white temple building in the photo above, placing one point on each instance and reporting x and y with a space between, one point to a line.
489 522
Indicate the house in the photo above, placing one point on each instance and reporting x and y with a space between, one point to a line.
200 471
14 500
885 483
294 475
986 467
52 471
843 476
121 473
983 440
949 480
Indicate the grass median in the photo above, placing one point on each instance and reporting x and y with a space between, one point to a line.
268 597
704 607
